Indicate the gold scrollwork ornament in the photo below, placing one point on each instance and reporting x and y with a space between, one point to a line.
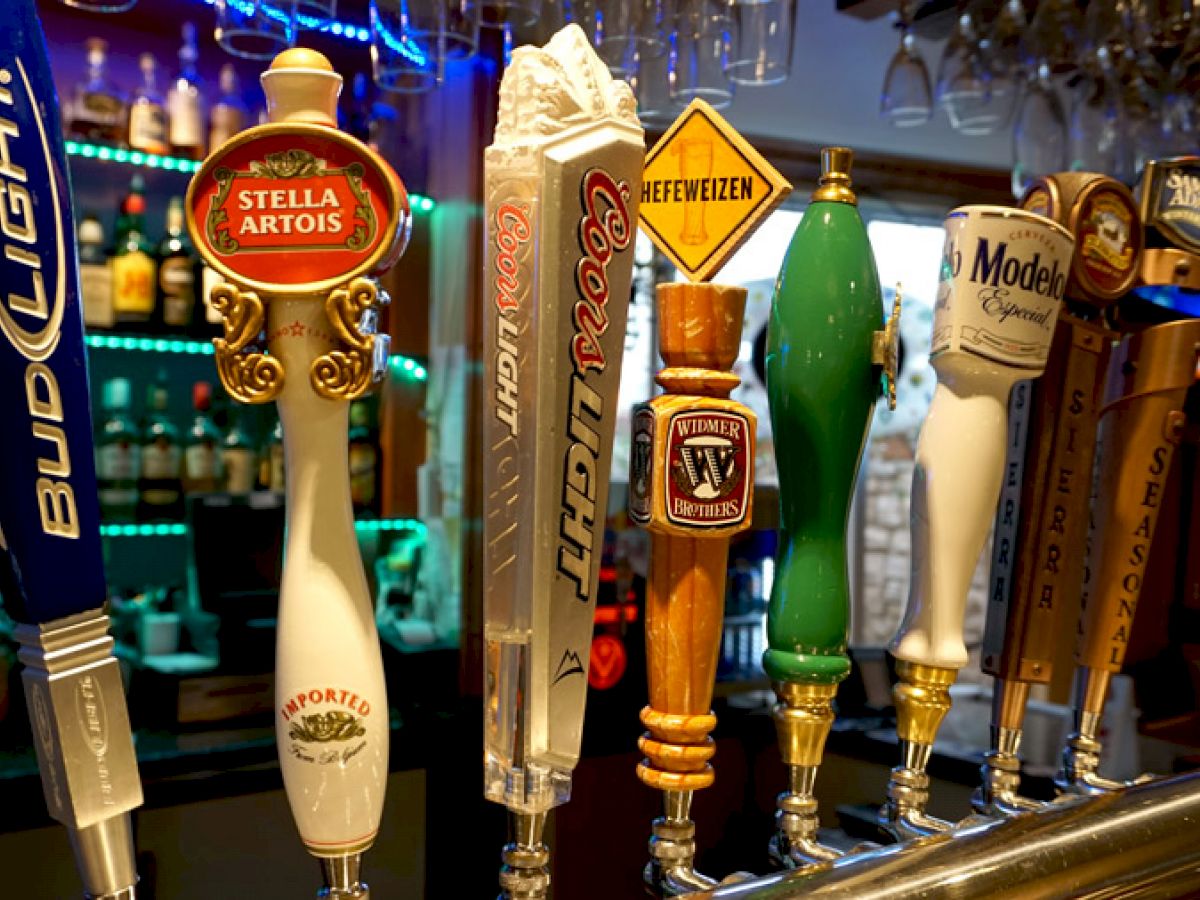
347 373
249 375
885 350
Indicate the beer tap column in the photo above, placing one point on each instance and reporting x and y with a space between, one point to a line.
1141 423
1004 272
822 341
297 216
691 485
1041 523
51 562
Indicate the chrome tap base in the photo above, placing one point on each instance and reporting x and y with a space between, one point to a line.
997 796
903 814
794 844
525 869
1079 776
343 878
671 871
128 893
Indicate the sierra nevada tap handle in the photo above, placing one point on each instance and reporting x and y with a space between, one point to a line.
296 216
822 340
1003 276
1141 422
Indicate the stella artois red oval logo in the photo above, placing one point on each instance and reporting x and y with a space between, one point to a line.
296 207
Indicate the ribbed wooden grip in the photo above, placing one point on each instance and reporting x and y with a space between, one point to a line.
685 603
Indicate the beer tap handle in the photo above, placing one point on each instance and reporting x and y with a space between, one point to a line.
1141 423
1003 277
692 487
825 333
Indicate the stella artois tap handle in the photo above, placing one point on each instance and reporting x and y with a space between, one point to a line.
823 338
1141 423
692 465
297 216
1003 276
51 559
1041 521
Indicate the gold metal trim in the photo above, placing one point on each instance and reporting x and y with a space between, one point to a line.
922 698
885 350
346 374
248 375
803 719
835 177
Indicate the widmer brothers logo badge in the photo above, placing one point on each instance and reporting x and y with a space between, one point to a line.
708 452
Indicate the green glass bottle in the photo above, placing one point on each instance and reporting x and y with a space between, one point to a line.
821 385
118 458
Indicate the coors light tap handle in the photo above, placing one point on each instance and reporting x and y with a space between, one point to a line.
1141 422
823 338
1041 522
1003 275
51 571
562 181
296 215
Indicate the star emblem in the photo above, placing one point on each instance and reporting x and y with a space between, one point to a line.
296 329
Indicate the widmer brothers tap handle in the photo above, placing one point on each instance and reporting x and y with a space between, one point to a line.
1141 423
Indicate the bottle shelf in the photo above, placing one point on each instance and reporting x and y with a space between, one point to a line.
104 153
402 366
180 529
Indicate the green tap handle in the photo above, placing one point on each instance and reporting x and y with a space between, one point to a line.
822 386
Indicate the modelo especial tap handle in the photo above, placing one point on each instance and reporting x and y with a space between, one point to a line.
823 338
562 181
296 216
1141 423
51 570
1041 521
1004 272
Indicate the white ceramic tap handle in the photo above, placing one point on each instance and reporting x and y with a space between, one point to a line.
331 714
956 483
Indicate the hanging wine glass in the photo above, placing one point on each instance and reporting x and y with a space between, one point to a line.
906 100
765 31
965 82
1160 24
651 84
1053 36
1107 23
700 63
1040 132
1181 115
1097 127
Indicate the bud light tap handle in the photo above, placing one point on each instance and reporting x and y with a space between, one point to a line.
1004 272
51 572
1141 423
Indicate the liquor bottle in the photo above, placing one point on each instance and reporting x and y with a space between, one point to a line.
147 111
117 456
364 458
185 101
95 275
97 108
229 113
160 492
237 457
177 262
202 471
270 467
206 322
133 265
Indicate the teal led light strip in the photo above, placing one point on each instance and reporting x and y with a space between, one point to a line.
417 202
178 529
403 366
132 157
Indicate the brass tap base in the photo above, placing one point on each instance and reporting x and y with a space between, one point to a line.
671 872
525 869
803 719
343 878
922 697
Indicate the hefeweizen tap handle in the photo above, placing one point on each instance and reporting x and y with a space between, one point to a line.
1141 423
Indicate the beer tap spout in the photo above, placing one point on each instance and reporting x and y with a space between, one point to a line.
671 871
525 873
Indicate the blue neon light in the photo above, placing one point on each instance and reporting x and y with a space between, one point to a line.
349 30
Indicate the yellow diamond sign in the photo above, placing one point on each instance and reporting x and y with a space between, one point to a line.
704 191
